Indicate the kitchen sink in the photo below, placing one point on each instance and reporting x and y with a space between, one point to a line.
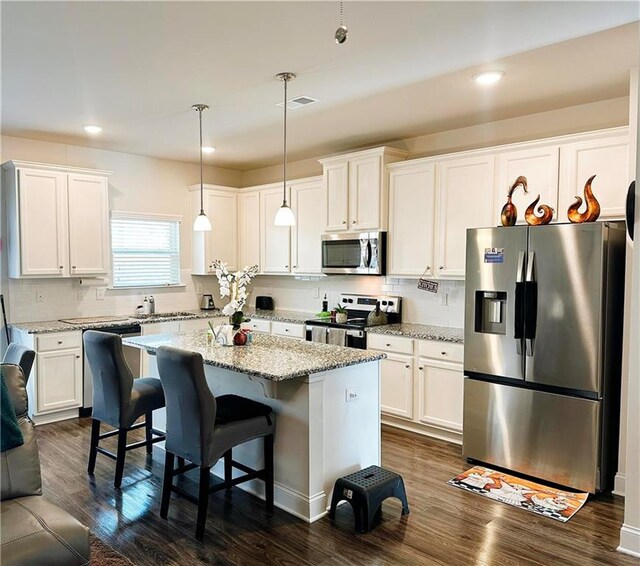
161 315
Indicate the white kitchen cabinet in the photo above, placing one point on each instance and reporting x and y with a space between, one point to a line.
411 218
289 330
258 325
606 157
55 384
57 220
356 189
88 224
396 382
336 188
440 394
307 205
248 229
220 205
464 200
275 244
201 323
540 166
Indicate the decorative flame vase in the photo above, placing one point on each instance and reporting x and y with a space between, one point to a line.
593 206
509 214
545 210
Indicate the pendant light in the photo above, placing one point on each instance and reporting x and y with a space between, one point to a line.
284 216
202 223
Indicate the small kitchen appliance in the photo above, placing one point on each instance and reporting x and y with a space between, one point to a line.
358 308
543 350
264 303
207 303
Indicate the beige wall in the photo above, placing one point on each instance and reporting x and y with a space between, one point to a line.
574 119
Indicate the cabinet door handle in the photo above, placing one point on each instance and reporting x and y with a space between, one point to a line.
73 267
286 330
344 221
295 267
428 268
441 267
353 222
59 341
78 356
407 366
61 267
443 353
421 368
286 267
388 345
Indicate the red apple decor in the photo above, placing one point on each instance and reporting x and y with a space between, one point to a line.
240 338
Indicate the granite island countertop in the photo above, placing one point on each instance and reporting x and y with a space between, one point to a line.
269 357
421 332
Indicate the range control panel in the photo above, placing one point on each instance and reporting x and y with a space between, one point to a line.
368 302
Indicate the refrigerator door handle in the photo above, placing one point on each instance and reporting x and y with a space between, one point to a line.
531 308
519 306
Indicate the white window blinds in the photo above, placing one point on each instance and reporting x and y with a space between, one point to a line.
145 250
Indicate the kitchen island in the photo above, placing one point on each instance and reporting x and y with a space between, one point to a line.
327 401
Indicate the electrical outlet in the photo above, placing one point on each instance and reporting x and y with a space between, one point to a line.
80 295
350 394
100 291
444 299
316 293
39 296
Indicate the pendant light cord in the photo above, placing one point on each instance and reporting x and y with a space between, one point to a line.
341 18
201 181
284 165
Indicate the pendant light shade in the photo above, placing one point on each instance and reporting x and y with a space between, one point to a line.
202 223
284 216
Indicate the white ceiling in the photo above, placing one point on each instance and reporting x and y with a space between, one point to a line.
136 68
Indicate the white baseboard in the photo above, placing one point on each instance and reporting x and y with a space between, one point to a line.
630 540
46 418
423 429
619 485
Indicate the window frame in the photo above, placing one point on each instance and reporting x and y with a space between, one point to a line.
124 215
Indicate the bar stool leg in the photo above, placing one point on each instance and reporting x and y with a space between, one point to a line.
120 455
148 420
228 468
180 462
268 466
203 501
93 448
167 482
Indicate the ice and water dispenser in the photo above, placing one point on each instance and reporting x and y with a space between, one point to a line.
491 315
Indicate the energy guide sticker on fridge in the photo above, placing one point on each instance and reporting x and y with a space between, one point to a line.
494 255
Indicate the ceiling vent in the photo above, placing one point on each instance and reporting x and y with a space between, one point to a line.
298 102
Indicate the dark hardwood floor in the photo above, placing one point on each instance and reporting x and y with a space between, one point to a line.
447 526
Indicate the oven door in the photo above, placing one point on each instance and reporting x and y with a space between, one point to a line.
346 253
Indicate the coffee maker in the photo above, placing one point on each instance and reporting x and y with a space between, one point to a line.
207 303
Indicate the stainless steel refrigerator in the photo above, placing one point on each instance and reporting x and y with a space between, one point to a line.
543 349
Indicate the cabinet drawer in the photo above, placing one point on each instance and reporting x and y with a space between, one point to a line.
446 351
258 325
388 343
58 341
288 329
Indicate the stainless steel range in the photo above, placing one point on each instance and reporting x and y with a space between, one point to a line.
358 308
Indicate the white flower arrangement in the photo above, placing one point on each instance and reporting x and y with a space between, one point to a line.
234 286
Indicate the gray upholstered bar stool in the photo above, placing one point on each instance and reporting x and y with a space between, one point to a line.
202 428
20 355
119 399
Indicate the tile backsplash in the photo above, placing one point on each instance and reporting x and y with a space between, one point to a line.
66 298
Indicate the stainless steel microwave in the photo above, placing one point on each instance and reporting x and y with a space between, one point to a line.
362 253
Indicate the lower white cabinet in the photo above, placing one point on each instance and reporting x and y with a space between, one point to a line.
422 388
289 330
55 384
396 377
440 395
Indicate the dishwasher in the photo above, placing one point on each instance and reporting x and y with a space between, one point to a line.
131 355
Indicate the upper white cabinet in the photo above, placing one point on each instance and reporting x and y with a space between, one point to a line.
248 228
606 157
412 187
307 205
465 200
356 189
221 206
58 221
275 245
540 166
88 224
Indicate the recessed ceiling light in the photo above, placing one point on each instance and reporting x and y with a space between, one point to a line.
488 78
92 129
208 149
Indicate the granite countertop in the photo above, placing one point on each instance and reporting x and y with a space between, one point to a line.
421 332
268 357
124 320
280 315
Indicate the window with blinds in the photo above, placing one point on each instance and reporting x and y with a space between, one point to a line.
145 250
